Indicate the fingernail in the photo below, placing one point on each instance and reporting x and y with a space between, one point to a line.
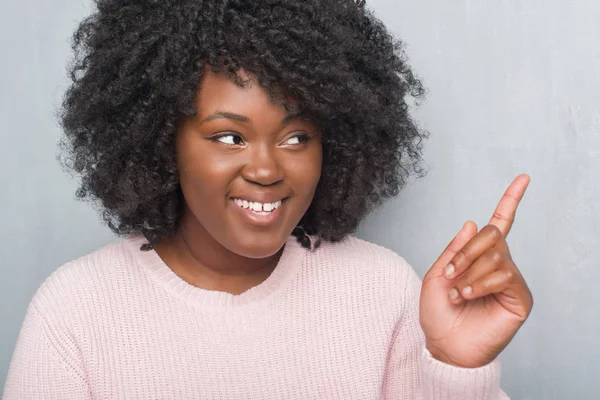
467 291
449 270
453 294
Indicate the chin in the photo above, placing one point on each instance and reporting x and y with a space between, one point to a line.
257 245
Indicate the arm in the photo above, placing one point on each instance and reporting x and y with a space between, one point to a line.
412 373
46 363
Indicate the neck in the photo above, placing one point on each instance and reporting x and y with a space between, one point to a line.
196 257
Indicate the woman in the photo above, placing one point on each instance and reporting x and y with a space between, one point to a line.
236 146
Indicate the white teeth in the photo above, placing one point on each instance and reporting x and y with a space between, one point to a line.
257 207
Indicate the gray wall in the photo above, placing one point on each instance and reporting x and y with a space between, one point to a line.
514 86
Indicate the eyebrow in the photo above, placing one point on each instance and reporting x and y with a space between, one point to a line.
243 118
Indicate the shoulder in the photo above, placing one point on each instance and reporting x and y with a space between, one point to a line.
361 255
357 263
82 279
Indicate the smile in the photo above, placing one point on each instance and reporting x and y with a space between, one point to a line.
259 214
260 208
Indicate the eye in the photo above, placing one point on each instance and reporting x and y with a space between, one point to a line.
229 138
298 139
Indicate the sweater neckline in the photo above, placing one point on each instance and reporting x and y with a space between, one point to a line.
286 268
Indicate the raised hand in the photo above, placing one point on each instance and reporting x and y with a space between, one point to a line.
474 299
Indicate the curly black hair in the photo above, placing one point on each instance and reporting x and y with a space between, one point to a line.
137 67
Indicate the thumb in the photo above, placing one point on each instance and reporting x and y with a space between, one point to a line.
467 232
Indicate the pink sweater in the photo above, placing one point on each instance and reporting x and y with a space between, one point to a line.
338 323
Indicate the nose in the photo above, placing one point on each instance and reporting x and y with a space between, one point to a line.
262 166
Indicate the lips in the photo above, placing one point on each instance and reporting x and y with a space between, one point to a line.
266 198
258 213
256 206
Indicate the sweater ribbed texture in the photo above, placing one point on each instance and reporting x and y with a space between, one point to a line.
341 322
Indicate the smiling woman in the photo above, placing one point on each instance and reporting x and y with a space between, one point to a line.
248 173
236 145
242 146
330 64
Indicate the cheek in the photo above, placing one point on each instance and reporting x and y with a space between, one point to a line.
306 172
207 176
203 175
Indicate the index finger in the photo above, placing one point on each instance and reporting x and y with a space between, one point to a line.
504 215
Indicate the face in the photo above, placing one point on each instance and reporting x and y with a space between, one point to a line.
248 169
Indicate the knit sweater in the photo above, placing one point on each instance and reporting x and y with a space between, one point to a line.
340 322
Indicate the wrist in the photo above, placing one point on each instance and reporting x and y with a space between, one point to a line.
443 357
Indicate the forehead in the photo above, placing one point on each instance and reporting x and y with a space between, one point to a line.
220 92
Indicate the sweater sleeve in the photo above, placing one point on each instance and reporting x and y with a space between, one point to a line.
412 373
46 363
